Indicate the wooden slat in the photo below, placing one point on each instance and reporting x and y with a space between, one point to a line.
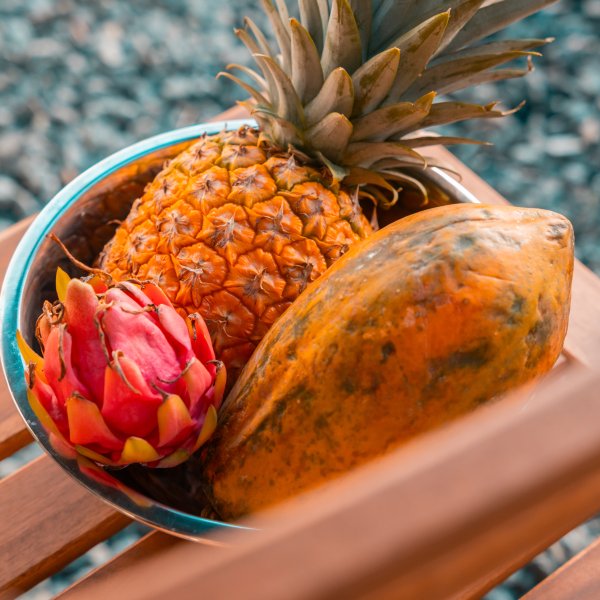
151 545
428 521
46 521
9 239
13 433
579 578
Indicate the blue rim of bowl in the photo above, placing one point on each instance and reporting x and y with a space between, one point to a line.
134 504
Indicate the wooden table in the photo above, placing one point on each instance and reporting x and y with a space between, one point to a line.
447 516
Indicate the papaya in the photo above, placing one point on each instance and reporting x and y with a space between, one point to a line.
423 321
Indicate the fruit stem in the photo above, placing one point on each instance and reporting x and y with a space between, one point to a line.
77 262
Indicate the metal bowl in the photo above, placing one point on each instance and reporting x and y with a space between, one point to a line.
83 216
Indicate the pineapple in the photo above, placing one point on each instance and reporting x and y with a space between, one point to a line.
236 226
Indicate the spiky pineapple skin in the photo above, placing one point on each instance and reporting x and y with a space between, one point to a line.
234 229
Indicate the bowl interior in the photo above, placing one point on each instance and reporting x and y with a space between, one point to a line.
84 216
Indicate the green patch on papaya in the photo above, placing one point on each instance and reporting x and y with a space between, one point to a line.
537 339
348 386
460 359
387 350
469 359
291 353
428 258
557 232
373 386
329 354
465 241
421 239
518 303
351 326
300 324
321 422
517 308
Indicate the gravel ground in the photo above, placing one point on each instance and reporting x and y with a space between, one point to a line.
82 79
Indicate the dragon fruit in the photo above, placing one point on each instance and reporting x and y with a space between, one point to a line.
123 378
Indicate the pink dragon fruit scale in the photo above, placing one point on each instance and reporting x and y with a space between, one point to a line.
123 378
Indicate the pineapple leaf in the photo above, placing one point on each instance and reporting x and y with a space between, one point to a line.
442 113
494 17
366 154
260 82
281 33
272 87
351 79
440 140
261 44
342 41
337 171
363 12
392 165
324 12
460 14
387 19
361 177
491 76
258 97
283 11
402 177
495 48
285 132
414 15
307 75
454 74
310 17
247 40
288 104
373 81
416 49
331 135
336 95
390 120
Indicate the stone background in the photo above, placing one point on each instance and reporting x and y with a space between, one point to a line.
82 79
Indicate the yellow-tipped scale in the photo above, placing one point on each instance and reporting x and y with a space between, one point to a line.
41 413
93 455
138 450
62 281
30 356
173 417
208 428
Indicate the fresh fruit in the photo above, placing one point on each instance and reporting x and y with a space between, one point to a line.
236 226
123 379
234 231
424 321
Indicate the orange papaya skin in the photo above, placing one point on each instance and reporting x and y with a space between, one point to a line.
422 322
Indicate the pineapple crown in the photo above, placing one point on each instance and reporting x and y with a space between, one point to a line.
352 83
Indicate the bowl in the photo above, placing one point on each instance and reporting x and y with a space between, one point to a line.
83 216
